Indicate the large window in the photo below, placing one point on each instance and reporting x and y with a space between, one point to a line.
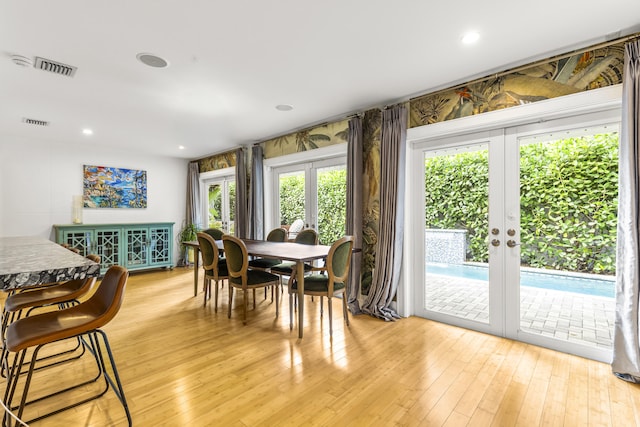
219 198
309 194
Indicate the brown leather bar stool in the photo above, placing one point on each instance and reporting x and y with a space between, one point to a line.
63 294
80 321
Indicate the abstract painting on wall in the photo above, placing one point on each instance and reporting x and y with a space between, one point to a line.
106 187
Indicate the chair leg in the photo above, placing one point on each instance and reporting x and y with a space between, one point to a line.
321 306
277 297
215 308
330 315
98 354
244 315
231 288
204 291
290 311
345 311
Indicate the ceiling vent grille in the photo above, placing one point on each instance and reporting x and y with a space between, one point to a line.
35 122
55 67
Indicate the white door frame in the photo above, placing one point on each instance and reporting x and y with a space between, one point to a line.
222 176
297 161
606 99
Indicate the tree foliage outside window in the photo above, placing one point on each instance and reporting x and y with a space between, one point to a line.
568 202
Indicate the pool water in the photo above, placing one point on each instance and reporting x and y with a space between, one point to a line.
604 287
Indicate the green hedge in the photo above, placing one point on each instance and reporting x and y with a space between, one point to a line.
568 202
332 205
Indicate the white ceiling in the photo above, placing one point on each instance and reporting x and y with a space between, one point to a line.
232 62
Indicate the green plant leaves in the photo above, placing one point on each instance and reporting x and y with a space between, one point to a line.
568 202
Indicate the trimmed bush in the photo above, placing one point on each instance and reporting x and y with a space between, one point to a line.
568 202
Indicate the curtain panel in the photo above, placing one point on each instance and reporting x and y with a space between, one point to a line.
386 275
241 219
256 194
354 208
193 196
626 342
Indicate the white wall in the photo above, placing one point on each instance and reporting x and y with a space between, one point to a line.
38 179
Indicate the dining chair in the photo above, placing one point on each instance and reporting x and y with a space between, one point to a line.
275 235
241 277
307 236
85 321
214 270
216 233
333 283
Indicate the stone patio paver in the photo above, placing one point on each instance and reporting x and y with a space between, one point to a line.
579 318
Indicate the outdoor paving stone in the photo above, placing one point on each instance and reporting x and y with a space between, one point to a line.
567 310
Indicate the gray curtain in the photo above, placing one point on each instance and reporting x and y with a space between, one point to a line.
386 274
626 342
193 196
241 219
256 196
354 208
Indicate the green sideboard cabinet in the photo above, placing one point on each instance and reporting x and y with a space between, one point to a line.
135 246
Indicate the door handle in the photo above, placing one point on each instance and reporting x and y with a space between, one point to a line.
512 243
495 242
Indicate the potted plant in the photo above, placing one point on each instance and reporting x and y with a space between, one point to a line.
188 233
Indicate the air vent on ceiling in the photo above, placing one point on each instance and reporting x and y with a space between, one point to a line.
35 122
55 67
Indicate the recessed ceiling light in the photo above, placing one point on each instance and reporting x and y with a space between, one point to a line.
470 37
87 131
152 60
180 147
284 107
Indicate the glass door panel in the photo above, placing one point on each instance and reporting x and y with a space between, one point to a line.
456 251
331 196
220 196
312 195
567 241
214 203
292 199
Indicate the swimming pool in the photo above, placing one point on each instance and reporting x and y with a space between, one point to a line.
560 281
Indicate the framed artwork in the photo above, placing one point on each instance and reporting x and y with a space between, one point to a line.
106 187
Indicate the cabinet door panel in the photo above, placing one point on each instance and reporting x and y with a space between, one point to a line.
160 245
137 242
108 247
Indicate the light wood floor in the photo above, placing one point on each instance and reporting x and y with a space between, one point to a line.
184 365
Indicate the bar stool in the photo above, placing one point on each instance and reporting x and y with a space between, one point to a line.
80 321
63 294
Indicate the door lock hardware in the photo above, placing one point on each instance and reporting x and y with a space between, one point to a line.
495 231
512 243
511 232
495 242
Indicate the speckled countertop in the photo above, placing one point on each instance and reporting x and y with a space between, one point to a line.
31 261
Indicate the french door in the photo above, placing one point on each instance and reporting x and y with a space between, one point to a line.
219 196
311 195
519 231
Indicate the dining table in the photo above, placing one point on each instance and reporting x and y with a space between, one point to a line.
287 251
31 261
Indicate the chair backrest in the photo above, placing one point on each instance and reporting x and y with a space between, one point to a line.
216 233
237 258
308 236
107 300
339 259
209 250
95 258
277 235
